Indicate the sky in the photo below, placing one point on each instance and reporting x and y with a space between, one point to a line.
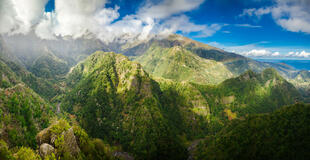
253 28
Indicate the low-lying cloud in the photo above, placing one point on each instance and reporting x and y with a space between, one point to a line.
264 53
260 53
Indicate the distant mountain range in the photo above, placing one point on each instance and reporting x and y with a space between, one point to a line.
155 99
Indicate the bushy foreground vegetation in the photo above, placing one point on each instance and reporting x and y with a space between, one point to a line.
60 141
283 134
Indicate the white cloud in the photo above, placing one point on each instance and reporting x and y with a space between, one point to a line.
275 54
45 28
292 15
168 8
257 53
265 53
18 16
255 12
302 54
248 25
77 18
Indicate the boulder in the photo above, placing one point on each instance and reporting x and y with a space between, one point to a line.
46 150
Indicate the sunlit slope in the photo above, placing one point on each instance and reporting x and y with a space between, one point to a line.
176 56
179 64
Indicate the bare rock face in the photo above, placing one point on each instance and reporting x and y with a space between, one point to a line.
71 145
46 139
46 149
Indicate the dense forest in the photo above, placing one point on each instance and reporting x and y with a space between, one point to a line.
172 98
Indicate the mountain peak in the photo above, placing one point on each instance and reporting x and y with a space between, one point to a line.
187 42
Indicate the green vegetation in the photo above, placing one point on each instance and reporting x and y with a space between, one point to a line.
26 154
196 110
43 87
195 92
253 93
115 99
301 80
5 153
49 67
283 134
180 64
66 142
72 142
23 114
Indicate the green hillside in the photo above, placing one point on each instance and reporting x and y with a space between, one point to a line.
180 58
50 67
23 114
283 134
115 99
180 64
173 94
203 109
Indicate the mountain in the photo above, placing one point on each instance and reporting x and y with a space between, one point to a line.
28 48
279 135
201 109
115 99
24 113
155 54
177 63
158 51
266 89
50 67
302 81
165 97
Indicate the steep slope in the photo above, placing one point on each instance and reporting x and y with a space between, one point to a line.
197 109
283 134
156 53
114 98
301 80
12 71
23 114
28 48
180 64
42 86
266 89
50 67
185 108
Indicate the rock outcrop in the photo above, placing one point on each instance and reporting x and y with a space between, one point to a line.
46 150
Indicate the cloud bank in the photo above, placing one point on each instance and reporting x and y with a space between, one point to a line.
18 16
292 15
81 18
260 53
264 53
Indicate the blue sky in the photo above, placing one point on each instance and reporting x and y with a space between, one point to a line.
243 28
